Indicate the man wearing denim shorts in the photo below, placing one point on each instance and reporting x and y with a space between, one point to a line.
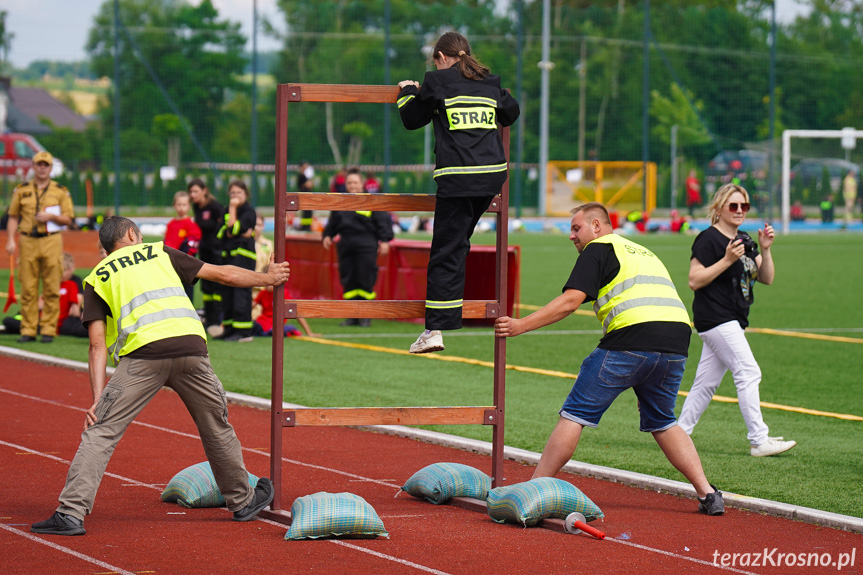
644 346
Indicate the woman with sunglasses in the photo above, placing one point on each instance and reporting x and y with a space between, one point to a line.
724 267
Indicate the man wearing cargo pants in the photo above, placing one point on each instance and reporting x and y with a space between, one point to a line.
136 310
40 207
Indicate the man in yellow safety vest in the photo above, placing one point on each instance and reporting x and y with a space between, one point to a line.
137 312
644 346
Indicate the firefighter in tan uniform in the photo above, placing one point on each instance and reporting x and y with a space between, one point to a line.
38 209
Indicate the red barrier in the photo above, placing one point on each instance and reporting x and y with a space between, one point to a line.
402 275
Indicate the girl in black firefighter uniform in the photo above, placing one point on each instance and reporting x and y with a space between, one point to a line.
238 248
465 103
208 216
364 235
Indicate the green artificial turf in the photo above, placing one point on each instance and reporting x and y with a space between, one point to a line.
815 291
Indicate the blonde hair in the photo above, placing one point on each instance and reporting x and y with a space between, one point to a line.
180 194
720 198
68 261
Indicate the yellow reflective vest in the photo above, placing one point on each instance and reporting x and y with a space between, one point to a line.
146 298
641 292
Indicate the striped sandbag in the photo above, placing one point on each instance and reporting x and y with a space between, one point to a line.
195 486
440 482
334 515
542 498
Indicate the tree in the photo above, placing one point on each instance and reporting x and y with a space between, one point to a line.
195 55
231 141
342 42
170 128
5 43
676 110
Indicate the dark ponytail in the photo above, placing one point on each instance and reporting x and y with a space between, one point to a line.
455 45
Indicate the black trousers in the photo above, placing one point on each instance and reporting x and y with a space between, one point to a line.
358 268
237 302
211 292
305 220
454 222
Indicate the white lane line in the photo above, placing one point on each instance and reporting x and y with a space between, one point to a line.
196 437
369 551
260 452
129 480
678 556
66 550
382 556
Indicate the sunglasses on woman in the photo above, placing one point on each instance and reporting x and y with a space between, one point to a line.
734 206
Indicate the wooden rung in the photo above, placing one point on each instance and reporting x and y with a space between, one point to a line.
482 507
342 93
277 515
469 503
370 202
382 309
389 416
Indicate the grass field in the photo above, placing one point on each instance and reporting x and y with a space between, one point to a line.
815 292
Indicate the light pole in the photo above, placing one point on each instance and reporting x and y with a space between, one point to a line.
117 107
254 101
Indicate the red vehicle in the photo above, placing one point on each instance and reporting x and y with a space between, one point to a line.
16 156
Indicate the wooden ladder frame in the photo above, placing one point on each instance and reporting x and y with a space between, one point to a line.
486 309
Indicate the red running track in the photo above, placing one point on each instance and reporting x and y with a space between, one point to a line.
132 531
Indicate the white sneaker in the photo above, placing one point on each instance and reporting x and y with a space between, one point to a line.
773 446
427 342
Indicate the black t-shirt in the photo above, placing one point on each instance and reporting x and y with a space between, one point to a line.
301 182
187 267
728 297
209 219
596 267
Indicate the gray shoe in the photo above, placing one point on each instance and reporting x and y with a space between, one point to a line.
773 446
263 496
59 524
428 342
712 504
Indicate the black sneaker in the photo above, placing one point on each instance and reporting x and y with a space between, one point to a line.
59 524
227 331
365 322
351 321
263 496
47 338
240 337
26 339
712 504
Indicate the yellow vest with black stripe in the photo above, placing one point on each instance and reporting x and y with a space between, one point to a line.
146 298
641 292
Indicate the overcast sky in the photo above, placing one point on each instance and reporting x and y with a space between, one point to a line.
57 29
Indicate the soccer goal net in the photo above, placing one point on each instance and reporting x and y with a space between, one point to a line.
814 163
